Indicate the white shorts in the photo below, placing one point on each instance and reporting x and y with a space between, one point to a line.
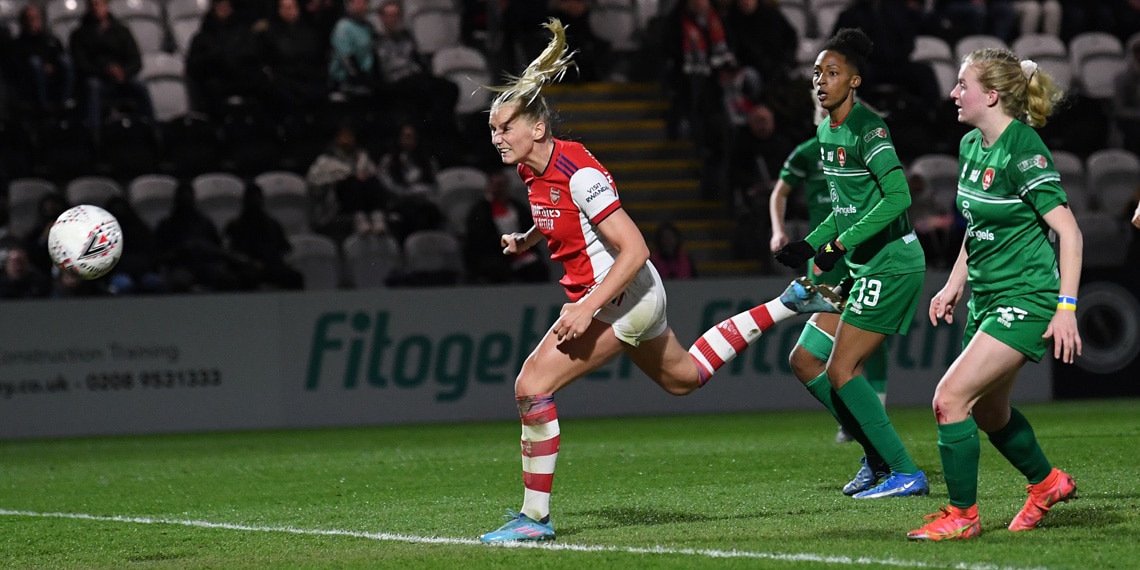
639 312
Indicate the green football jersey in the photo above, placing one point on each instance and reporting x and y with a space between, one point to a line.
857 154
1003 191
804 165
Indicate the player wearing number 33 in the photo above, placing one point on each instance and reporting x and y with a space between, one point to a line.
617 300
869 228
1022 292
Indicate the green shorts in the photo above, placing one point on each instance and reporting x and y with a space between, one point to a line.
833 277
884 304
1016 321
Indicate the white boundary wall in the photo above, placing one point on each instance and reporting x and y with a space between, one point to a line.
384 356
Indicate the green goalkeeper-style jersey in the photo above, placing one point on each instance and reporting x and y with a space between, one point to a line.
869 197
1003 192
803 165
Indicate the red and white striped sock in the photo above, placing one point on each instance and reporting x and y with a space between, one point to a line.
540 437
720 344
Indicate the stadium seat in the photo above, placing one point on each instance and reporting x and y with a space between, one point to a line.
63 16
94 190
1087 45
941 174
1097 76
23 203
434 28
932 48
183 32
460 187
126 9
286 199
431 257
152 196
796 14
316 257
218 195
965 46
371 259
155 65
1113 177
1073 179
164 75
615 21
1106 237
467 68
10 14
150 33
826 13
178 10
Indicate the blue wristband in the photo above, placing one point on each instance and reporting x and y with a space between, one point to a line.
1068 300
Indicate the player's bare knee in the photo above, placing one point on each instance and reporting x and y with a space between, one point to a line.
804 364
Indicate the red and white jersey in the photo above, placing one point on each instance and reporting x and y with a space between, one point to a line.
567 202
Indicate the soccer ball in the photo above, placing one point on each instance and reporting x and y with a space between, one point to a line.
86 240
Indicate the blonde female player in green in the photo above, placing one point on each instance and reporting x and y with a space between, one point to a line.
1023 292
867 225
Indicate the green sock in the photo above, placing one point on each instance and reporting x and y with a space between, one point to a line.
1017 442
875 370
820 387
866 407
958 445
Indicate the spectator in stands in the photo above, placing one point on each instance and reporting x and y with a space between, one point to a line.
893 26
343 184
593 52
323 16
972 17
107 59
352 65
759 153
21 279
704 55
190 249
1126 99
669 255
408 174
138 270
222 62
763 39
1039 16
46 75
50 206
68 285
260 245
293 57
406 82
489 219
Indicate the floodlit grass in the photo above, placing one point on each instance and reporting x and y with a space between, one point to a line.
725 491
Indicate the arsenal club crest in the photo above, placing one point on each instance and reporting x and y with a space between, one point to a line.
555 195
842 155
987 178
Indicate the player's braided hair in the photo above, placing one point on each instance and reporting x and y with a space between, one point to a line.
548 67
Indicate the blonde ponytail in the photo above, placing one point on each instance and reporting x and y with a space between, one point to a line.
549 67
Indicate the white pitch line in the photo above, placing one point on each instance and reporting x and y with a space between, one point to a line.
392 537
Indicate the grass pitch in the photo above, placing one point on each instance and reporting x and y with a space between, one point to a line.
725 491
